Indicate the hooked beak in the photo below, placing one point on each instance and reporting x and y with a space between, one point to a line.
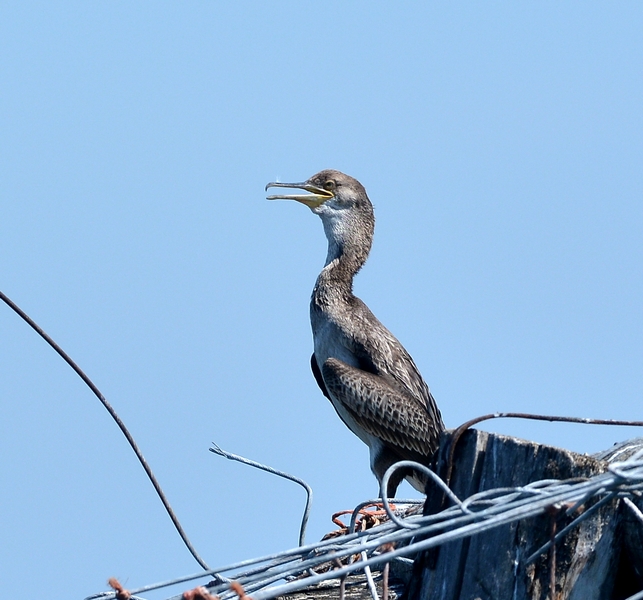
315 198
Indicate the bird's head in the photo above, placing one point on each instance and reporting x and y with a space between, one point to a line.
344 208
328 191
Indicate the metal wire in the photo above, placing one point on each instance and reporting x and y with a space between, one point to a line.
418 467
395 501
278 574
128 436
246 461
586 514
635 509
369 578
457 433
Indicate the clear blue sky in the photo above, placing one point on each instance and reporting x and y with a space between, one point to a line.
501 145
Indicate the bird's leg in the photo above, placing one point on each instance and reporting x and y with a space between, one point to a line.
381 463
394 482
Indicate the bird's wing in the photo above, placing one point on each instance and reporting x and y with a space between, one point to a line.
379 352
380 408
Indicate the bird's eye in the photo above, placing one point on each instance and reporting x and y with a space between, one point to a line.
329 185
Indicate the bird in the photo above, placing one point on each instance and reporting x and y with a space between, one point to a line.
359 365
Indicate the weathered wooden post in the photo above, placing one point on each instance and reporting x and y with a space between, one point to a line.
600 559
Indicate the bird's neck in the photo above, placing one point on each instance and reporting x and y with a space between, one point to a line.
335 282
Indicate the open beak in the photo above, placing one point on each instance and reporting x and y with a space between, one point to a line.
316 196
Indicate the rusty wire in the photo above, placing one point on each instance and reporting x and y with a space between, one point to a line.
400 504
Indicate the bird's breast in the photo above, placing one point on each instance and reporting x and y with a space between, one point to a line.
330 342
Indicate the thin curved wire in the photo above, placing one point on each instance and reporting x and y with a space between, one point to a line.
361 505
457 433
424 469
635 509
252 463
128 436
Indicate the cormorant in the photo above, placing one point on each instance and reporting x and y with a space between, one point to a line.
368 376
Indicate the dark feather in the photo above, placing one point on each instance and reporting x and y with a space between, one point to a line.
318 376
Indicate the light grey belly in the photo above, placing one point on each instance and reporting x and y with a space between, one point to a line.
328 344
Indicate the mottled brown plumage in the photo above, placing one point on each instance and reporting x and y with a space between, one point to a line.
368 376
